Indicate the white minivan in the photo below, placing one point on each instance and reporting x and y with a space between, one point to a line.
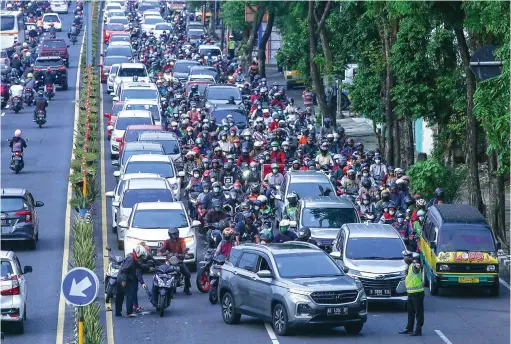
214 50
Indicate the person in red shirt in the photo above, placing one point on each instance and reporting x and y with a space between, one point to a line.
244 157
277 101
277 156
274 123
307 96
177 246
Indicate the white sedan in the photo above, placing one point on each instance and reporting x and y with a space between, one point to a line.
52 18
160 27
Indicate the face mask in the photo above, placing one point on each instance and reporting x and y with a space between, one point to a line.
365 174
206 190
275 148
400 220
275 170
196 175
377 161
366 202
392 212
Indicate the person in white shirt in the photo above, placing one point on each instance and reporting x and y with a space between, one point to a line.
16 90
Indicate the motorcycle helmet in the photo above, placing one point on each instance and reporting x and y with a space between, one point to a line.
217 205
284 226
392 208
262 199
173 233
421 203
292 198
265 237
140 251
304 234
421 214
248 216
275 168
216 187
30 75
228 234
40 94
400 217
366 183
439 193
385 196
17 133
351 174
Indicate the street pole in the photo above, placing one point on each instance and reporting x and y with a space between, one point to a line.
88 32
80 327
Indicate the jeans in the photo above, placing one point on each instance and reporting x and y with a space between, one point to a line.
125 293
187 275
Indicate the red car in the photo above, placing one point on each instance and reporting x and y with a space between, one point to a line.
112 115
132 131
107 65
110 29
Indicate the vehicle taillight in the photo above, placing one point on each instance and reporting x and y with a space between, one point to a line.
61 68
27 213
15 290
119 139
17 154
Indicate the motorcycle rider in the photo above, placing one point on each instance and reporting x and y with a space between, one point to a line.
194 91
130 273
73 31
304 235
439 198
177 246
401 225
388 217
217 193
246 230
52 30
16 90
40 104
308 98
326 128
225 246
290 209
349 181
324 157
276 155
30 84
378 170
284 235
215 214
49 79
17 143
244 157
273 179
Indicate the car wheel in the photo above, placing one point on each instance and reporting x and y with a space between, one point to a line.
228 311
32 244
425 281
25 313
279 320
65 87
433 286
354 328
114 229
37 236
19 327
495 290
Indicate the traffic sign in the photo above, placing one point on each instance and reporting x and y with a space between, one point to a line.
80 286
483 63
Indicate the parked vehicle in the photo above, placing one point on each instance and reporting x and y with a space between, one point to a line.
111 274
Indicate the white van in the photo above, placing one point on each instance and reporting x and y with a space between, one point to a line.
206 49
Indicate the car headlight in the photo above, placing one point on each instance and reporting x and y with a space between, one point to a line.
354 273
189 239
403 273
491 268
359 285
444 267
299 298
299 292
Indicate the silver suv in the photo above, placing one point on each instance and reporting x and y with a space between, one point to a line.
290 284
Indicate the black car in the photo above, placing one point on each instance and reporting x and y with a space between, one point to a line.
238 115
182 69
19 216
57 66
216 96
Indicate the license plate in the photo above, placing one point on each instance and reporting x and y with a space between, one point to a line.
17 158
337 311
468 280
227 180
380 292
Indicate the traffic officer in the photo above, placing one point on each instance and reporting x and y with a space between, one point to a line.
415 290
232 46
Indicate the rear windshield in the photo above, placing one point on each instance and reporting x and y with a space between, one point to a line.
134 196
123 122
130 72
115 60
12 203
120 38
155 112
223 93
212 51
152 20
123 21
170 146
163 27
202 87
6 23
51 19
6 269
328 217
120 51
127 154
139 94
114 27
183 67
164 169
159 218
49 63
54 44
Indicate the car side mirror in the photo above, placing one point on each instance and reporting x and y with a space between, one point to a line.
39 204
123 224
117 174
109 194
345 269
115 163
181 174
265 274
116 204
108 248
106 114
115 99
433 245
27 269
336 255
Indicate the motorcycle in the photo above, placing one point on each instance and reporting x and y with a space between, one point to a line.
50 92
53 35
165 282
40 118
29 96
214 276
202 279
16 104
111 274
17 163
74 40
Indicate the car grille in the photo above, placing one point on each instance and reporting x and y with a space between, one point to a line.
467 268
376 284
334 297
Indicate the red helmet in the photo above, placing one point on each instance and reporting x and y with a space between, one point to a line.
48 69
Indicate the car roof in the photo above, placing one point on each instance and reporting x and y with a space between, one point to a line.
312 176
7 254
147 183
160 205
187 62
223 86
143 126
132 65
154 135
119 44
227 107
140 175
371 230
118 17
137 145
326 202
141 102
208 46
149 158
134 113
459 213
284 248
137 84
13 192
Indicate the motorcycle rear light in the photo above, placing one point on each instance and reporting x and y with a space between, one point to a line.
17 154
61 68
15 290
26 213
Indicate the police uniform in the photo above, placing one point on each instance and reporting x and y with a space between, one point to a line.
415 302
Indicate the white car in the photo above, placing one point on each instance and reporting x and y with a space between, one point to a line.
119 189
152 163
113 13
202 77
214 50
127 71
13 290
52 18
58 6
150 222
137 90
136 191
149 23
160 27
111 77
125 118
119 20
152 105
111 6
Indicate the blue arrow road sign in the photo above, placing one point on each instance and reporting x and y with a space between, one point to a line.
80 286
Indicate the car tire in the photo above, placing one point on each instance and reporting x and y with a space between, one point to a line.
354 328
37 236
19 327
32 244
280 320
434 287
65 86
192 267
113 156
228 310
495 290
114 229
25 313
120 245
425 281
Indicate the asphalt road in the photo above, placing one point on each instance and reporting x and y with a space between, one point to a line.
458 316
46 176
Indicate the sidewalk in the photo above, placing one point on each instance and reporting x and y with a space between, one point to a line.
360 129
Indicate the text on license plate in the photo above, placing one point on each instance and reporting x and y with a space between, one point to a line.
380 292
337 311
468 280
17 158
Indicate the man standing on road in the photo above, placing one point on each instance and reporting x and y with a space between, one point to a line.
130 274
415 290
232 46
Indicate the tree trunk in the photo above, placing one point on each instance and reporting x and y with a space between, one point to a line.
264 40
496 200
258 18
314 70
406 146
473 185
396 131
390 125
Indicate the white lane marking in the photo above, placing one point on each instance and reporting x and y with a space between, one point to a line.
272 335
67 224
444 338
3 114
504 283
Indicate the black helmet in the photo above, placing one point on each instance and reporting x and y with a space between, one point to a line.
439 193
217 205
366 183
173 233
304 234
385 196
400 215
409 201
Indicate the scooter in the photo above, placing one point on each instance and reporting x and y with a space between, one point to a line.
50 92
29 96
16 104
17 163
111 274
165 283
40 118
214 276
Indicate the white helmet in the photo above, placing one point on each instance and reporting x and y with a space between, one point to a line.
262 198
140 251
28 54
17 133
258 144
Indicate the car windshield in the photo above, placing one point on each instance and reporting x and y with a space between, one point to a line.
51 19
111 60
195 33
223 93
153 20
123 122
115 13
6 23
183 67
311 189
123 21
238 117
162 168
126 154
12 204
375 248
6 269
470 239
155 112
49 63
328 217
212 51
120 51
134 196
54 44
114 27
130 72
139 94
204 71
306 265
159 218
162 27
170 146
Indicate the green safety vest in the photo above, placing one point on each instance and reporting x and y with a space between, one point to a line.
232 44
413 281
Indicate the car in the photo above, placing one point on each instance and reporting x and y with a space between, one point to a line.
160 27
160 164
202 77
111 77
20 221
113 13
293 78
107 64
14 291
149 22
56 64
305 184
144 91
5 62
204 70
119 37
127 71
124 119
151 13
291 285
202 86
147 7
110 29
136 191
112 6
52 47
134 148
210 49
325 215
182 69
132 132
152 105
119 189
119 49
59 6
373 253
168 140
149 223
112 116
218 95
238 115
118 20
195 34
52 18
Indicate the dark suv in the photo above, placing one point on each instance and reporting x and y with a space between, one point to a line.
56 64
55 47
19 216
290 284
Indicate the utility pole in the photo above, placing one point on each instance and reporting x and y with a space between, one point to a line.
88 31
